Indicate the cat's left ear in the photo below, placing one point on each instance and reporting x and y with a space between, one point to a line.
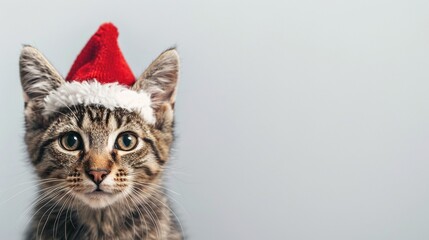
38 78
160 81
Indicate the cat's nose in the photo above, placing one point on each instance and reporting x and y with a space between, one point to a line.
98 175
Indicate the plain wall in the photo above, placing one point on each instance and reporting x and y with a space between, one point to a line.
295 119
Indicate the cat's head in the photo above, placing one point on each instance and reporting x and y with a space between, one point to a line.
90 146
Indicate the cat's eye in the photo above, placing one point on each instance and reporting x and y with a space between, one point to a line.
71 141
126 141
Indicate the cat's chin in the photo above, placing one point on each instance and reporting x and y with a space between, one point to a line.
98 199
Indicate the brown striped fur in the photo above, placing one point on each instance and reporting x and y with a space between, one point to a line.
133 203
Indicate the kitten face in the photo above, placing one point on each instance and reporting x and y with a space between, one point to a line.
98 155
101 155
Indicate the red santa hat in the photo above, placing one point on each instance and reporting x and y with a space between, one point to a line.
102 59
101 76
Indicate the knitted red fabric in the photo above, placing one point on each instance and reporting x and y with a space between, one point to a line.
101 59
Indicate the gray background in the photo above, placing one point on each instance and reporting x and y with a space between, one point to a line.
296 119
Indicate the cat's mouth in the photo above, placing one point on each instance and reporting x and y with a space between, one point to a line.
98 192
98 198
100 195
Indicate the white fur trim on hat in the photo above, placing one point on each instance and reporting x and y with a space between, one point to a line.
109 95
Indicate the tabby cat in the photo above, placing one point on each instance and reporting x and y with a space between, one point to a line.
99 167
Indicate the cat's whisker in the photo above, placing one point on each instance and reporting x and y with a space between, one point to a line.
52 208
132 219
141 216
18 193
50 194
40 208
162 203
174 214
149 211
40 198
136 205
156 185
154 188
69 203
59 213
36 181
34 184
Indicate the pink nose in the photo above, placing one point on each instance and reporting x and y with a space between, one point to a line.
98 175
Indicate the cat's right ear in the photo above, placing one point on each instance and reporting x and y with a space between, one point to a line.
38 78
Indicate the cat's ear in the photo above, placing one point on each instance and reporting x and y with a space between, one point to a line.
160 81
38 78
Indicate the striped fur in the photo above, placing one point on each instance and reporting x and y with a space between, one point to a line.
133 203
